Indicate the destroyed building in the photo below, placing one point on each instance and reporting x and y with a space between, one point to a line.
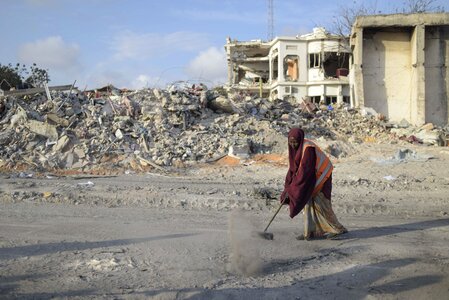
400 66
313 65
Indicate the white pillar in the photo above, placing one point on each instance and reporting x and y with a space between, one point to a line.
419 117
358 91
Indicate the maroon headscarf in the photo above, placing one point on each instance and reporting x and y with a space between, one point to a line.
294 156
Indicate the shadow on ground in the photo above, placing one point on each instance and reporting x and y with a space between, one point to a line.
40 249
357 282
373 232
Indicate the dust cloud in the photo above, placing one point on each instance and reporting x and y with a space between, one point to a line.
244 257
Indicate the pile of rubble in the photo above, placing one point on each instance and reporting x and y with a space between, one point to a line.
152 127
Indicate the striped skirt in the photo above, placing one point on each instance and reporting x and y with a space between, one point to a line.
319 218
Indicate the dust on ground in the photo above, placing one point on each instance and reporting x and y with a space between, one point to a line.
244 256
167 236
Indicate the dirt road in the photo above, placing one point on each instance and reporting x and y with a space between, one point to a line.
190 235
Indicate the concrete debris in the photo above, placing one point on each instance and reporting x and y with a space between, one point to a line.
111 129
25 175
2 106
368 111
223 104
427 134
44 129
61 145
55 119
33 91
410 155
241 150
403 155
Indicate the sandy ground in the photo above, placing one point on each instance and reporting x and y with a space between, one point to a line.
190 234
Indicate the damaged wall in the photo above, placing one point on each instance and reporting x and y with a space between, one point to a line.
247 62
399 66
437 59
290 66
387 72
289 49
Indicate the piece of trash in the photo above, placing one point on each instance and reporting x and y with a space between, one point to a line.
253 111
89 183
25 175
249 163
47 194
389 177
212 191
50 143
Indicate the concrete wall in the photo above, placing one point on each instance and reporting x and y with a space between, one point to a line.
322 90
315 90
297 48
400 66
355 69
285 48
272 56
387 72
333 90
326 46
436 40
315 74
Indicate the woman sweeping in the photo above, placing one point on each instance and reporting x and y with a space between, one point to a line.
308 186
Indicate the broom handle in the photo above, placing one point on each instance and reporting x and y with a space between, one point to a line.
279 208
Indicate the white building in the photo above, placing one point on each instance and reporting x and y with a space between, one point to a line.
314 65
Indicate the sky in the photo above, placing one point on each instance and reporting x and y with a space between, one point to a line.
138 43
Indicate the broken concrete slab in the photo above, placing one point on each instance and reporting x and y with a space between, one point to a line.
222 104
119 134
6 137
32 91
240 150
44 129
430 137
57 120
19 117
61 145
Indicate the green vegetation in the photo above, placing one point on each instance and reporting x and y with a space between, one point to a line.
21 76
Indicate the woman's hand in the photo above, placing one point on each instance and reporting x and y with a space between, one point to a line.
284 198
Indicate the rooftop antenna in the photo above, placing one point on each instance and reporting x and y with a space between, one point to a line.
270 31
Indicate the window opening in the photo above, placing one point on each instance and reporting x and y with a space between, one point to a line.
314 60
291 65
315 99
335 64
275 74
331 100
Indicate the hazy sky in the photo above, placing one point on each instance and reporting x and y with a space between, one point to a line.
135 43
